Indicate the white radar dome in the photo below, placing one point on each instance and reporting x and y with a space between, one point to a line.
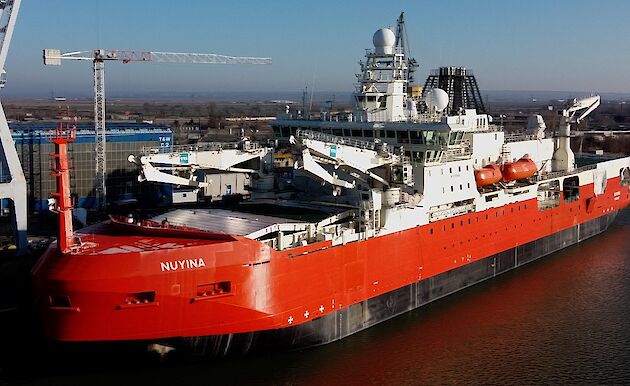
384 40
437 99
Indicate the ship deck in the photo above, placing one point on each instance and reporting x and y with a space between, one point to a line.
224 221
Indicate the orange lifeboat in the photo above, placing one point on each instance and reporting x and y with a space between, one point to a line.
518 170
488 175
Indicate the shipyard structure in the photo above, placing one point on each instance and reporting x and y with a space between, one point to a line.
34 147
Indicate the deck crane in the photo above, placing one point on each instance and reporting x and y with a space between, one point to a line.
362 160
13 187
169 167
563 157
98 57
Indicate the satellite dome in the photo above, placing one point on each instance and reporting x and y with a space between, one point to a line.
384 40
437 99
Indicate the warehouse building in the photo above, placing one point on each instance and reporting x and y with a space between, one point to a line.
123 138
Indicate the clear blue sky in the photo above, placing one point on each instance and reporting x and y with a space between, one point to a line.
571 45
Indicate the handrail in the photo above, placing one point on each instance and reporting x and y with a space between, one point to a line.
562 173
210 146
362 144
517 137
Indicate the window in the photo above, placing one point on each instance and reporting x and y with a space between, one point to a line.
548 195
571 189
403 136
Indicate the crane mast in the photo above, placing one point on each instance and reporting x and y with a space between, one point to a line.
13 188
98 57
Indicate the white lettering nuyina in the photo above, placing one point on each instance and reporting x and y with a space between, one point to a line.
182 264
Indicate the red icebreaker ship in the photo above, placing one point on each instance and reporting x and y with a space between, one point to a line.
396 220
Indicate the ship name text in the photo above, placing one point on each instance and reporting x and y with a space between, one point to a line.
179 265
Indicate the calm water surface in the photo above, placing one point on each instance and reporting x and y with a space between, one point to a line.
562 320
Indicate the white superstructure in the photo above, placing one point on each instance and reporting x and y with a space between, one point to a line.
434 157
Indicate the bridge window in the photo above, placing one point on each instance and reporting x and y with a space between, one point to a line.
415 137
357 133
403 136
390 134
338 132
368 133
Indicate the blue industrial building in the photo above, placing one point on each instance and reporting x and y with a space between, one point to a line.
123 138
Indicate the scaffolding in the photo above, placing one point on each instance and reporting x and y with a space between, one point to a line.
460 85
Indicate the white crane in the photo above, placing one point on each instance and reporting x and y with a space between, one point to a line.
98 58
156 165
15 187
563 157
365 157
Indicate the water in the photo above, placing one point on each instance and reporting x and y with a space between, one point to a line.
563 319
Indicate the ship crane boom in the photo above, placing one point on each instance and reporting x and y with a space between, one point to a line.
354 155
156 164
587 104
563 157
98 57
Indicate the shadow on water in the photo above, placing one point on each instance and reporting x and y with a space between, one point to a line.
563 319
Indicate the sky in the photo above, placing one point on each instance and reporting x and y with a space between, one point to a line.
561 45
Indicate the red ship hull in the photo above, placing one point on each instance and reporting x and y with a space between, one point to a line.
238 294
